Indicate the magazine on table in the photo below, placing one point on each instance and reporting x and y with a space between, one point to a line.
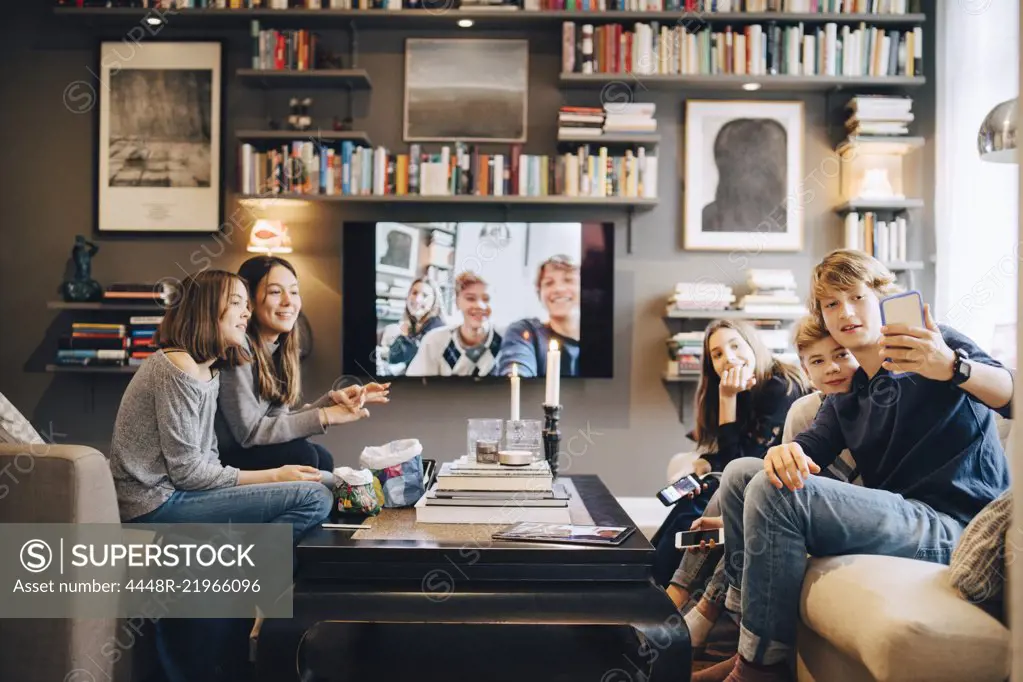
570 533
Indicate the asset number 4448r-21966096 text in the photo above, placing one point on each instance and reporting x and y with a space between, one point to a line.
194 585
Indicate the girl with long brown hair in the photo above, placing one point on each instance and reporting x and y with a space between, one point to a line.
742 399
258 423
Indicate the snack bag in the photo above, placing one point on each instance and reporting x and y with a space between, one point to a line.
398 469
354 491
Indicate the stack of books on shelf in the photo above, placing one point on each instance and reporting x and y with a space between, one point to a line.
771 292
390 303
884 240
580 123
92 344
672 48
283 50
467 492
307 167
142 337
699 296
879 115
685 353
630 118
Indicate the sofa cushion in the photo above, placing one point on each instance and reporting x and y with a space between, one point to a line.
977 568
903 620
14 428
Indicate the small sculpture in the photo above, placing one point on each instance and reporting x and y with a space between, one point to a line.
298 116
82 287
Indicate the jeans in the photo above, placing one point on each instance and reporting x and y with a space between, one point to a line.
196 650
704 566
298 451
680 518
769 533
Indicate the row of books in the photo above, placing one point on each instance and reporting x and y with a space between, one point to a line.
661 48
309 168
108 344
702 6
283 50
580 123
884 240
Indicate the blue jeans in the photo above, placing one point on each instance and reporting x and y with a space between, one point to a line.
214 649
770 532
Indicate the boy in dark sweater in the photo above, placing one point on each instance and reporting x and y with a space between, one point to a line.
925 442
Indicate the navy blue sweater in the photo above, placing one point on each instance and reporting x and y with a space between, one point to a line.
925 440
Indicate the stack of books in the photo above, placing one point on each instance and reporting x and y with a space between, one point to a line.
467 492
685 353
699 296
878 115
158 294
884 240
693 48
93 344
143 336
580 123
308 167
771 292
630 118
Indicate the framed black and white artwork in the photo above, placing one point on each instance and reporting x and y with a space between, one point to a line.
160 137
397 251
743 168
472 90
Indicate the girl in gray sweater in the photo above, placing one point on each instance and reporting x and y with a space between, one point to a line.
257 423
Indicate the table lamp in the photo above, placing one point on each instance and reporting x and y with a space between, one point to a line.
996 140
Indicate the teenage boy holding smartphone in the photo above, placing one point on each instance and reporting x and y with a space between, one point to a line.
925 443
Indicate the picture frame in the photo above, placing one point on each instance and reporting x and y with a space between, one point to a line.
397 249
743 174
160 165
466 90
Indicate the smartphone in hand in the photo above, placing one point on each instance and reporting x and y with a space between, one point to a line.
679 489
693 538
906 308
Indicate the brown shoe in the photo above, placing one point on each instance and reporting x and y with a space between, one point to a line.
717 672
748 672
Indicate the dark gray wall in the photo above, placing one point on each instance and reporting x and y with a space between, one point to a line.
624 429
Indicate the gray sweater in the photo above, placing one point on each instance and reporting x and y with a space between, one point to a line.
164 439
245 419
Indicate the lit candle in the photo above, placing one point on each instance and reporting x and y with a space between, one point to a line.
553 394
515 392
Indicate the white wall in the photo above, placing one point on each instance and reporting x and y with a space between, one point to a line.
976 205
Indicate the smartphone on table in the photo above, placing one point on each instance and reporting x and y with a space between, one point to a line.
679 489
906 308
693 538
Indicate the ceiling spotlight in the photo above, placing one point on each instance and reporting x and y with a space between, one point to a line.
465 23
751 86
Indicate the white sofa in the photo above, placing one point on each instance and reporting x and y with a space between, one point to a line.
884 619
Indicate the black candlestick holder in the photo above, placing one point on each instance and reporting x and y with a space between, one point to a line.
551 436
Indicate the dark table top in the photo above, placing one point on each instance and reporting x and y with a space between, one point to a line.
335 555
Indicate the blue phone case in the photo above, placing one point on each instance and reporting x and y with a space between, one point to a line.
920 302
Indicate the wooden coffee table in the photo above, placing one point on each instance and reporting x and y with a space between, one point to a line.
415 610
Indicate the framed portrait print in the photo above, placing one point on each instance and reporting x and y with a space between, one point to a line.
160 137
743 169
397 249
472 90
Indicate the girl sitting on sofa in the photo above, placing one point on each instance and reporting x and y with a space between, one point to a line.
741 402
163 457
257 426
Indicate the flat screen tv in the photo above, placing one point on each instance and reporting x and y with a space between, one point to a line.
476 300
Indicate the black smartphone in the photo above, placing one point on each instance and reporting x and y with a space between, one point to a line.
679 489
693 538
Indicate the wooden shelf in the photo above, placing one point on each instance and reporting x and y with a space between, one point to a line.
880 144
356 136
904 266
614 138
688 376
893 205
627 202
357 79
98 369
240 18
729 81
730 315
109 307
